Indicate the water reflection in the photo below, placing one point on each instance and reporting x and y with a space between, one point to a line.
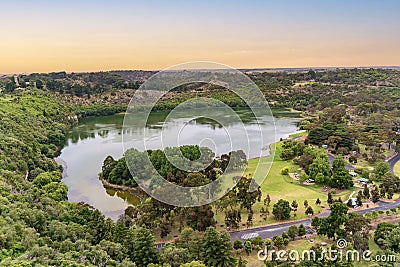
95 138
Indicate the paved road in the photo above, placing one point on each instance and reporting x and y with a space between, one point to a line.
270 231
393 161
348 166
273 230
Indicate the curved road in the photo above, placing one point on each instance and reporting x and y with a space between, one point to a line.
393 161
273 230
270 231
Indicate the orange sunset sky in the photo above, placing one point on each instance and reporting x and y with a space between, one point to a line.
45 36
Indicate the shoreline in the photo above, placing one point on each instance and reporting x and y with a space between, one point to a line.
277 115
135 191
138 192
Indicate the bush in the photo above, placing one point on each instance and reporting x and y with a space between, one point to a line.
285 171
237 244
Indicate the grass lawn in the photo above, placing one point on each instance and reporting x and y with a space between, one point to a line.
280 186
304 244
397 168
362 164
298 245
302 84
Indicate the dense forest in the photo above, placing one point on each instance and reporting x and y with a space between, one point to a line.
344 109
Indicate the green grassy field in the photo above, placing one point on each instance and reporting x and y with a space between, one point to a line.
397 169
298 245
304 244
282 186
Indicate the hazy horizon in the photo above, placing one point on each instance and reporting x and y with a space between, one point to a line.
85 36
266 69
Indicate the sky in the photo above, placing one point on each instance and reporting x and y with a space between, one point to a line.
93 35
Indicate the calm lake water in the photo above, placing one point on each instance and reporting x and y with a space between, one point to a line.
95 138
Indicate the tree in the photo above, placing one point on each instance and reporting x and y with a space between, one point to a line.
267 200
375 194
318 201
193 264
242 262
165 227
294 205
140 244
338 164
330 198
333 225
237 244
268 244
359 198
217 248
286 241
285 171
249 221
365 173
264 213
312 75
281 210
341 179
302 230
200 217
248 247
303 177
278 241
284 235
293 231
317 135
320 178
392 240
320 165
46 178
366 193
191 240
309 211
244 196
291 149
305 203
257 241
382 231
381 168
357 229
174 256
304 161
108 165
232 218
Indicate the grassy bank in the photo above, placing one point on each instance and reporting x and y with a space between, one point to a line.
279 186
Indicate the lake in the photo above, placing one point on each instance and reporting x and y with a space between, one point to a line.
93 139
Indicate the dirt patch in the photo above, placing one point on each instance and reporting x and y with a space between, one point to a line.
294 177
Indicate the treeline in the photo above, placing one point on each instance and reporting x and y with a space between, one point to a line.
117 172
316 165
78 84
361 132
98 110
39 227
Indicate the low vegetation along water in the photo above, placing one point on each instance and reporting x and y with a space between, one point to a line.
95 138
